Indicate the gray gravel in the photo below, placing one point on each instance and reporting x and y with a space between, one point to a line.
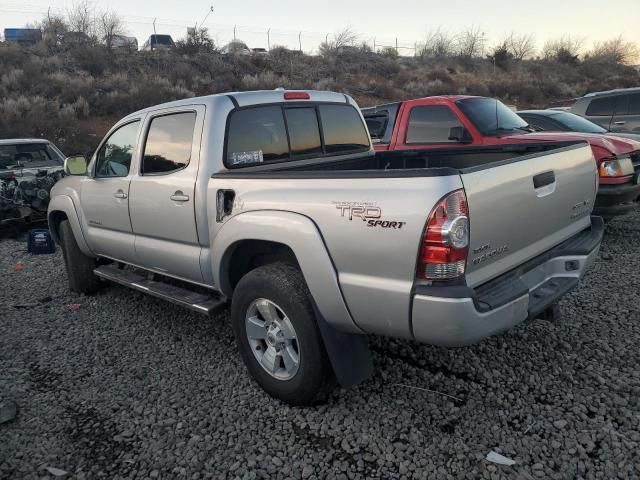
128 386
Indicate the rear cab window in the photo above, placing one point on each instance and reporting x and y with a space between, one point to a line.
431 124
265 134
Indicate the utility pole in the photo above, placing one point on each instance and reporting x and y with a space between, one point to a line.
205 17
154 25
234 33
300 41
269 39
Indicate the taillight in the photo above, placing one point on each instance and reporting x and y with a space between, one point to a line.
445 244
296 96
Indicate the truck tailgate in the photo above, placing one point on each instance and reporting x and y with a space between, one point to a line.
522 207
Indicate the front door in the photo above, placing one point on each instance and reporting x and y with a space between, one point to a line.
105 195
162 194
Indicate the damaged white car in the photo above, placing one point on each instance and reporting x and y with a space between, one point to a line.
28 170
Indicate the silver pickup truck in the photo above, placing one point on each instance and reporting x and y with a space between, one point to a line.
276 203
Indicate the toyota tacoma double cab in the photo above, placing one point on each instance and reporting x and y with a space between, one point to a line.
477 122
275 202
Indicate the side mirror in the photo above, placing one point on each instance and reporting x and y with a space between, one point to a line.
75 165
460 134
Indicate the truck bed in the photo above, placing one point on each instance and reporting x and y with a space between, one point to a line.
410 162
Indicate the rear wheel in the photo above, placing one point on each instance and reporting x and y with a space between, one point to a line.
278 336
79 266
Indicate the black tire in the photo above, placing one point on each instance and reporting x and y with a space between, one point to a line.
284 285
79 266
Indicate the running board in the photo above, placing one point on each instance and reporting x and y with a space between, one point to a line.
198 302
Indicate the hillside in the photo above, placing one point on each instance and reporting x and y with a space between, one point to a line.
73 96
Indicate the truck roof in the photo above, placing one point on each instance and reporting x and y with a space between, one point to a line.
256 97
14 141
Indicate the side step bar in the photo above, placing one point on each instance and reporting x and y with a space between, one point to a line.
198 302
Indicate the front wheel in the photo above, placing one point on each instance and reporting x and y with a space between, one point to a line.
79 266
278 336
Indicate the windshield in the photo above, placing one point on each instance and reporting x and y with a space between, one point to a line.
29 155
491 116
161 40
577 124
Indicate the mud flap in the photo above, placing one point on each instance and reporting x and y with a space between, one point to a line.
348 353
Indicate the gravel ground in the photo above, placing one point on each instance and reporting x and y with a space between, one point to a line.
128 386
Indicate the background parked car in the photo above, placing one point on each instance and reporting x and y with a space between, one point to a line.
23 36
236 48
616 110
74 39
438 122
28 170
122 42
259 51
158 42
561 121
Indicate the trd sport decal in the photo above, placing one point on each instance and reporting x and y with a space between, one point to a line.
368 213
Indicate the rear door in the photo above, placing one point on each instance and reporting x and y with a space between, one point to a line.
162 193
628 120
520 208
620 117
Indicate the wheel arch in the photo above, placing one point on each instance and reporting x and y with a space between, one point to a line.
61 208
257 238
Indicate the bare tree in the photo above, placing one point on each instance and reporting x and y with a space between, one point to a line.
53 27
521 45
616 50
81 18
343 39
471 43
109 26
437 43
564 49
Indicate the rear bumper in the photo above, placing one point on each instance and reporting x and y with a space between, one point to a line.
614 200
457 316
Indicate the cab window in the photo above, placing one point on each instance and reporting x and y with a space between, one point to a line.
169 142
114 157
431 124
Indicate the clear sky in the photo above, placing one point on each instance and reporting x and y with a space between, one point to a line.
593 20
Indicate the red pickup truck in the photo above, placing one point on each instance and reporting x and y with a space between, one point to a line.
437 122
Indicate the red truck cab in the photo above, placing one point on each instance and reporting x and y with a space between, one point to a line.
446 121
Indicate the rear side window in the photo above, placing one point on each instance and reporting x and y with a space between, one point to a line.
634 104
275 133
431 124
304 132
601 107
168 145
343 129
257 135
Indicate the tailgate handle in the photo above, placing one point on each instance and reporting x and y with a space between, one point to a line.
543 179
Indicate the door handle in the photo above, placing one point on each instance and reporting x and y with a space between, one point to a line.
619 122
179 197
120 194
543 179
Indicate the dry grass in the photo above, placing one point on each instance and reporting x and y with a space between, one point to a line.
72 96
